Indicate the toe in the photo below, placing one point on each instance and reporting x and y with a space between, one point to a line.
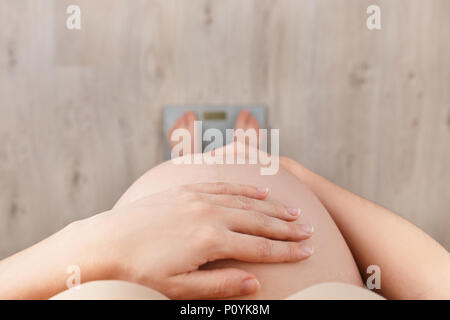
253 123
242 119
178 124
190 116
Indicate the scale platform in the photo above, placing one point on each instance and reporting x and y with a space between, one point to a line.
219 117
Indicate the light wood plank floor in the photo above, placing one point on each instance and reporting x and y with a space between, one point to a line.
80 111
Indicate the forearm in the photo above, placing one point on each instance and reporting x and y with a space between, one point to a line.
412 264
40 271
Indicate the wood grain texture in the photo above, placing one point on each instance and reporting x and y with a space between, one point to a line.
80 111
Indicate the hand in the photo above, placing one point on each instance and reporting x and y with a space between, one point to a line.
161 241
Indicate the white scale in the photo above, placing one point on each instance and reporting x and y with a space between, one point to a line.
218 117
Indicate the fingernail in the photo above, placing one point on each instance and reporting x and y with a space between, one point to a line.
307 250
307 228
249 286
295 212
263 190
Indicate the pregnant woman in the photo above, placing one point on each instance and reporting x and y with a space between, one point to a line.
219 231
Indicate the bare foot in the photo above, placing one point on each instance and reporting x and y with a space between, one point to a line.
245 121
184 122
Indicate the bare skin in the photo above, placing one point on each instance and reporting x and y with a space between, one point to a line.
185 122
277 280
244 121
413 265
421 273
160 241
128 242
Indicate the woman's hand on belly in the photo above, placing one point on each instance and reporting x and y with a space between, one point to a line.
162 240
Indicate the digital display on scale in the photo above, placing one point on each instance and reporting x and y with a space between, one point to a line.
215 115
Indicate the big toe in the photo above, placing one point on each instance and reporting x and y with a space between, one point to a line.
190 116
242 119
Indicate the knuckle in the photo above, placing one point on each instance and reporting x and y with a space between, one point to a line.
293 228
265 222
220 288
200 207
208 238
261 222
292 251
244 202
264 248
222 187
280 210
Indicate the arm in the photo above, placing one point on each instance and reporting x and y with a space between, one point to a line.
160 241
413 265
39 272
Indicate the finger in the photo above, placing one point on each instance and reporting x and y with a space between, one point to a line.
271 208
213 284
247 248
229 188
259 224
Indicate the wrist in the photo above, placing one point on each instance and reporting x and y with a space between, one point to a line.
93 251
293 167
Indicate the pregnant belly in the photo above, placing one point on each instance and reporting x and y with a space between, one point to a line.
332 260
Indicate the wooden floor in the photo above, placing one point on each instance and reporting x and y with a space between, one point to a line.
80 111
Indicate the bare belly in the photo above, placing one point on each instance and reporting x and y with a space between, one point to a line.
332 260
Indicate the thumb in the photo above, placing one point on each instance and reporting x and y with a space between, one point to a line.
213 284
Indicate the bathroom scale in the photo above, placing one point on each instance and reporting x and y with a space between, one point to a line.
219 117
